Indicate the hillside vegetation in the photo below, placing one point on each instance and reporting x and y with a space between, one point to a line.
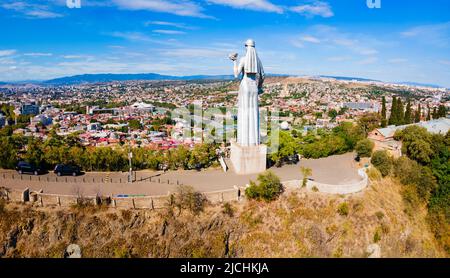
297 224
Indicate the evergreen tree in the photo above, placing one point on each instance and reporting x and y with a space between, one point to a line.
408 113
393 116
429 113
435 114
442 111
400 112
383 113
418 114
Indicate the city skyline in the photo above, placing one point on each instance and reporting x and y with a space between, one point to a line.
397 43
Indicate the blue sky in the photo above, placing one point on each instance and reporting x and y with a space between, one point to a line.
404 40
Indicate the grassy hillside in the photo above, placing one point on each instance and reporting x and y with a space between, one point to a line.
299 224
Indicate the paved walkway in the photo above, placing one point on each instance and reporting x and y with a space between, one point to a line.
332 170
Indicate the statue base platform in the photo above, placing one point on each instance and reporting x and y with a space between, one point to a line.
248 159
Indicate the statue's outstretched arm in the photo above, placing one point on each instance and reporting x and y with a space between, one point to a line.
238 68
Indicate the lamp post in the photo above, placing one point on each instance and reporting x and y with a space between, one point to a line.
130 156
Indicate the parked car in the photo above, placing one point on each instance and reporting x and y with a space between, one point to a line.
63 169
25 167
292 159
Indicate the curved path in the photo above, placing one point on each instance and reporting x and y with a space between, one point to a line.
339 169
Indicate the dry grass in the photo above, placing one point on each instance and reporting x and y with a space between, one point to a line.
299 224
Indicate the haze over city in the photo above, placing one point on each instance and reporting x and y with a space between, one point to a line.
401 41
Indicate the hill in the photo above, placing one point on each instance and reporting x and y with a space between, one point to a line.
100 78
299 224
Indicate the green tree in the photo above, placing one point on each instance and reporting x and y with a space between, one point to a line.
369 122
400 112
383 112
34 153
382 161
416 143
268 188
287 146
393 120
435 113
408 113
364 148
332 114
135 124
418 114
411 173
9 149
442 111
428 113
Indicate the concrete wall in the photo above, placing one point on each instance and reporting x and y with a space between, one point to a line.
341 189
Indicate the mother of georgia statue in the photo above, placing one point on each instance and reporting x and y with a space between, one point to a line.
251 86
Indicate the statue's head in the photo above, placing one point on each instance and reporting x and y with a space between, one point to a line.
250 43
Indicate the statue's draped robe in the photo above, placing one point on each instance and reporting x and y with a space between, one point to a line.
248 109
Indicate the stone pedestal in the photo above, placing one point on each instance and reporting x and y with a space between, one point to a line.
248 160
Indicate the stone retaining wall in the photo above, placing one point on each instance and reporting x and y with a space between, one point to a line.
157 202
146 202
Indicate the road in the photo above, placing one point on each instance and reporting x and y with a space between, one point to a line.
339 169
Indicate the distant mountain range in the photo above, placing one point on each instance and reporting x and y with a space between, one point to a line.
349 78
373 80
110 77
101 78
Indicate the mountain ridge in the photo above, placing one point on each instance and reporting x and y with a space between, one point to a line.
117 77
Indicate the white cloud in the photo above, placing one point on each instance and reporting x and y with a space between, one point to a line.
397 61
435 34
355 45
131 36
169 32
317 8
369 60
37 54
332 38
310 39
177 7
195 53
7 52
339 59
38 11
256 5
170 24
74 56
140 37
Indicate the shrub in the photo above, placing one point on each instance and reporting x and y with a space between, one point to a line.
377 236
187 198
228 209
268 188
343 209
306 172
412 173
382 161
364 148
411 198
374 174
2 206
379 215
